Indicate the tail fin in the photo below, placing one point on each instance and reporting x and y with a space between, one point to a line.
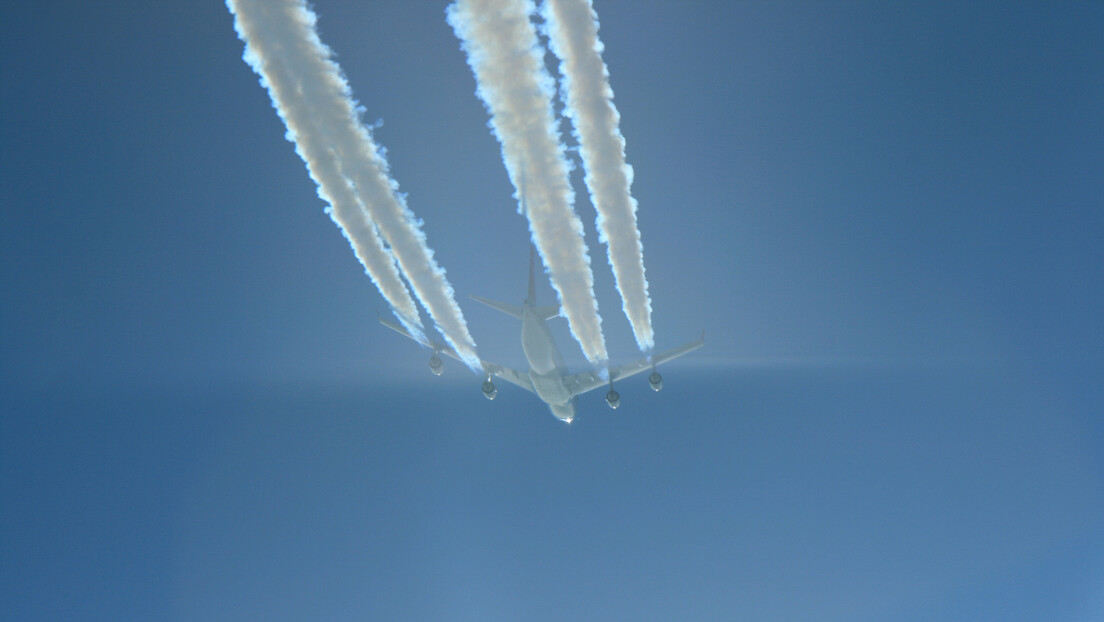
546 312
524 201
532 298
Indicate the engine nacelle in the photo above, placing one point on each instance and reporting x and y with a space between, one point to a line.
435 365
490 391
613 399
655 381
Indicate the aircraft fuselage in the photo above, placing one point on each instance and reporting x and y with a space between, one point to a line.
545 365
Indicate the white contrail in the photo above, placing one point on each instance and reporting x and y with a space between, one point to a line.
508 63
588 101
345 209
310 93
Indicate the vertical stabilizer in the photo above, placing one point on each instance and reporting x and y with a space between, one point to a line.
524 201
531 300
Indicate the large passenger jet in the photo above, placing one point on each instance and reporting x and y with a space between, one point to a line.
547 377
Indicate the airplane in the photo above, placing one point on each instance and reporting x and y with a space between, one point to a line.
547 377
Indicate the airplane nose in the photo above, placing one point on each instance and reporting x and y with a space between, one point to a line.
563 412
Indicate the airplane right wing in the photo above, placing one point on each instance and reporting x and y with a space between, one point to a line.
509 375
588 381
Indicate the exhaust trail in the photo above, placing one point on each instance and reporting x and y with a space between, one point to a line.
508 62
572 27
310 93
345 208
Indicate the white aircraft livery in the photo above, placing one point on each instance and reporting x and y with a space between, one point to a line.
547 377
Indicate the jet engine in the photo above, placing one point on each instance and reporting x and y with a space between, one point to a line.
489 389
435 365
613 398
655 381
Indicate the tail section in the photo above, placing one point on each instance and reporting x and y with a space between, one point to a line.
545 312
532 297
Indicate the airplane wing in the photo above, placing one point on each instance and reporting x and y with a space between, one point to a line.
509 375
588 381
512 376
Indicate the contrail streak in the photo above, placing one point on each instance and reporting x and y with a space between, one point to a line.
310 93
508 62
588 101
345 209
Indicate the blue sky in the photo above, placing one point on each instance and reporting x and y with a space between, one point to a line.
885 216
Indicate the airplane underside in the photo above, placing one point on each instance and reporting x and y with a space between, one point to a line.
547 376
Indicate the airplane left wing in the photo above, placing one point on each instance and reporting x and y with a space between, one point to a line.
512 376
509 375
427 342
588 381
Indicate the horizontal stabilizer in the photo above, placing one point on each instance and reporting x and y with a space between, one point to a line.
547 312
508 309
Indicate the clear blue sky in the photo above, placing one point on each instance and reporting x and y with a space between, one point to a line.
886 216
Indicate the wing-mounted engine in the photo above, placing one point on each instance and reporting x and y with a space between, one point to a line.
613 398
655 380
435 365
490 391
